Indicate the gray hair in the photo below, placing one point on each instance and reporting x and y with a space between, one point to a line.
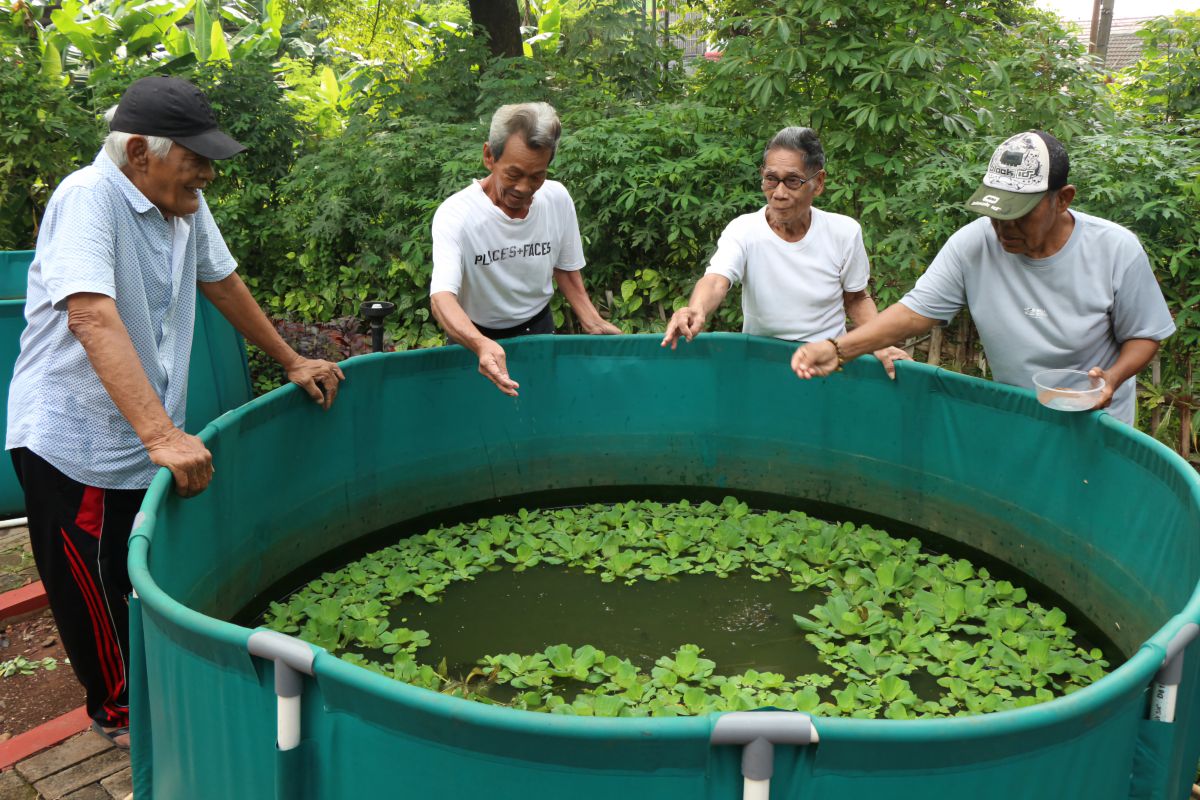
114 143
536 122
799 140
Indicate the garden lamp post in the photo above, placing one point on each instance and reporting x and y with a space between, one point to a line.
375 311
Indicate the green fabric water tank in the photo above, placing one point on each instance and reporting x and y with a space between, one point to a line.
1102 514
218 379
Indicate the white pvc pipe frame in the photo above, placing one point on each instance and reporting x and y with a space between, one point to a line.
1165 688
293 658
757 731
287 720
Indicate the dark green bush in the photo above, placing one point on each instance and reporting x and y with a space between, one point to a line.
245 198
359 211
44 136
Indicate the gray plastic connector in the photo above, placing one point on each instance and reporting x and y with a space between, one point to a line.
292 658
1171 671
759 732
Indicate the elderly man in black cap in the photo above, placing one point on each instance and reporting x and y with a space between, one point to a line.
1048 286
96 403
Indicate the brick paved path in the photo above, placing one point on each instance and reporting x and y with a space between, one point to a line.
84 767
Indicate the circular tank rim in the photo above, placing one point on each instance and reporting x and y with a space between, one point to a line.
1133 676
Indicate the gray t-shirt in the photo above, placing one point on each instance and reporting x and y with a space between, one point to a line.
1072 310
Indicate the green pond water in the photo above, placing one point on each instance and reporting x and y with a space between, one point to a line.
740 623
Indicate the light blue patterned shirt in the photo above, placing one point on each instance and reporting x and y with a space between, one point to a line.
101 235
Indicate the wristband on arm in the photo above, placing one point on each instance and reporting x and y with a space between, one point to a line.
837 349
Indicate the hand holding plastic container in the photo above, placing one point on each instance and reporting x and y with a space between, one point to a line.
1068 389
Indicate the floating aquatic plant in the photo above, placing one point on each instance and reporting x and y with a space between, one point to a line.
904 633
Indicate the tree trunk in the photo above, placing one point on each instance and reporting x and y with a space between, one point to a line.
502 21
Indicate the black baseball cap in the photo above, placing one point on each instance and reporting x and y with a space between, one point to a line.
177 110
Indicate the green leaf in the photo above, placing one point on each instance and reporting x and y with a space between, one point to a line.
329 91
218 49
51 61
202 24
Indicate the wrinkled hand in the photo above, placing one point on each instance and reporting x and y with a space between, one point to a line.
686 322
601 327
815 360
493 365
319 379
888 356
187 458
1106 394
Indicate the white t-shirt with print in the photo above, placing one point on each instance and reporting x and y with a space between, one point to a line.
502 269
793 290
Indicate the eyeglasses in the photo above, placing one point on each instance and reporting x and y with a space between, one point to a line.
792 182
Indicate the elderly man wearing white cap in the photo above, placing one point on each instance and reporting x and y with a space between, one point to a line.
96 404
1047 286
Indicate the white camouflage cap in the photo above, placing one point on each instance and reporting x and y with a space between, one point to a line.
1019 175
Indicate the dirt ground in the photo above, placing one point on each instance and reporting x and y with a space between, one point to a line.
27 701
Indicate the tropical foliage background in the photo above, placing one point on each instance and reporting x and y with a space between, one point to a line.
363 115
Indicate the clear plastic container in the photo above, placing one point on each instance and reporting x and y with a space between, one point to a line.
1068 389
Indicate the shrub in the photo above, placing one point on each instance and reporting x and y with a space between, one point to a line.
44 137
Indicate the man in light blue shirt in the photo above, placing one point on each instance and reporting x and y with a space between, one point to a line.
96 404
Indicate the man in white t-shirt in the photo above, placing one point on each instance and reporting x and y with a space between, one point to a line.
501 244
802 270
1047 287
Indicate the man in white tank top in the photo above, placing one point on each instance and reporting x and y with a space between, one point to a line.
1048 287
802 270
502 243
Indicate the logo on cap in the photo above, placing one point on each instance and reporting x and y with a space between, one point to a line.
1021 165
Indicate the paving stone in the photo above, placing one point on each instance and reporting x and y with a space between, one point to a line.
56 759
14 538
90 792
96 768
119 784
12 787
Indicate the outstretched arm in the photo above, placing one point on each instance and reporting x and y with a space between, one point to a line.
570 283
689 320
894 324
458 326
861 309
318 378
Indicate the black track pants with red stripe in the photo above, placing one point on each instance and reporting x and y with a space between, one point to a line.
80 538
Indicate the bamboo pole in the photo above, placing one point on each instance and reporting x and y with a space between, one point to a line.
1103 30
1155 380
1185 416
960 350
1095 25
935 346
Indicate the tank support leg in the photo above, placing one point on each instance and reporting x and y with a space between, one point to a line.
293 660
1166 682
758 732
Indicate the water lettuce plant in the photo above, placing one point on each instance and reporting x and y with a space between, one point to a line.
903 632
